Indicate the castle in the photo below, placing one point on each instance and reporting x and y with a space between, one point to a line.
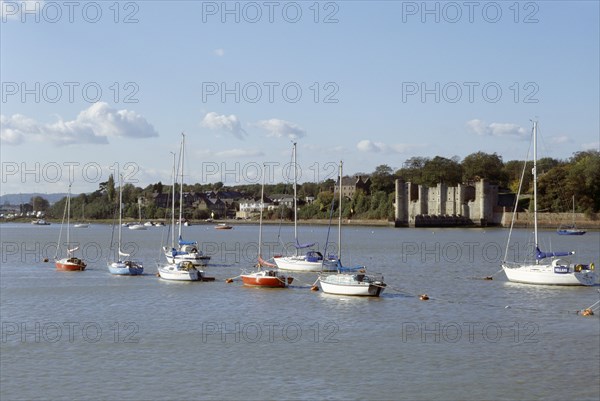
444 206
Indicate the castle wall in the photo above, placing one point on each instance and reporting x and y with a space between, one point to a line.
446 206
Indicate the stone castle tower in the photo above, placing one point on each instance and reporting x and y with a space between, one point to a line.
418 205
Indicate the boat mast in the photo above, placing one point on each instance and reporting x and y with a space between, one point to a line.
173 205
340 216
120 214
262 205
295 205
68 218
535 209
181 183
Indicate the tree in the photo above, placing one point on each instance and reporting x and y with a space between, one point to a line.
110 188
412 170
383 179
323 200
483 165
439 169
39 204
583 180
308 189
513 170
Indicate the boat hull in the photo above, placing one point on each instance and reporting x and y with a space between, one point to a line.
549 275
300 264
70 265
195 259
267 279
175 272
223 227
137 227
570 232
125 269
346 284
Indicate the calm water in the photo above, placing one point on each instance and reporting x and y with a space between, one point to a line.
91 335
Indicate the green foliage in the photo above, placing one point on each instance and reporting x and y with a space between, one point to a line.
439 169
110 188
558 182
39 204
383 179
483 165
323 201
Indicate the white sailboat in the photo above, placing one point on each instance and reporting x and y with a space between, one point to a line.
350 281
188 250
82 224
312 261
122 265
546 268
138 225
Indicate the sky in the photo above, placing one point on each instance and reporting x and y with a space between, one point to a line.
96 88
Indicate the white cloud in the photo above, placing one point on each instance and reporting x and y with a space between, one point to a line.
281 128
369 146
92 125
228 123
13 129
479 127
106 121
220 52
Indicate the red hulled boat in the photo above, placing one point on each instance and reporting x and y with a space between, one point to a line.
70 265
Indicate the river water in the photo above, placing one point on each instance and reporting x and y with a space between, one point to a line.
90 335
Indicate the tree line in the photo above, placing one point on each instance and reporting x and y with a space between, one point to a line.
558 182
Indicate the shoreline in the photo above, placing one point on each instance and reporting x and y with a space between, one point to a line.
588 224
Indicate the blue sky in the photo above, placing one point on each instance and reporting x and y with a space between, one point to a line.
89 86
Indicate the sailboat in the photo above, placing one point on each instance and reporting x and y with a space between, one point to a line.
69 263
572 229
188 250
138 225
312 261
541 271
82 224
350 281
268 277
122 265
177 270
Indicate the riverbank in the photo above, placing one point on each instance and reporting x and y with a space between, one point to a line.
522 219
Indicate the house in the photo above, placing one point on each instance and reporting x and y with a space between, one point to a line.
282 200
351 185
251 206
162 200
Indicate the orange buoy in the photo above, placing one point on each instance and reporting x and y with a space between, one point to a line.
314 288
587 312
423 297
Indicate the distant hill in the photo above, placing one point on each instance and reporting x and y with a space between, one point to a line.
17 199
